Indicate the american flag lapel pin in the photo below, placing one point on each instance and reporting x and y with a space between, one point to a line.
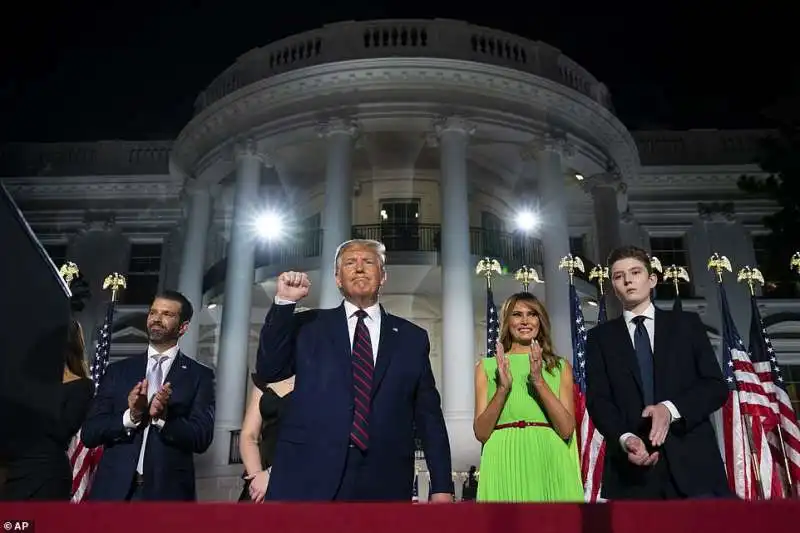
394 329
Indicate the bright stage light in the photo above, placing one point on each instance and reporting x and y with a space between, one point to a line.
269 226
527 220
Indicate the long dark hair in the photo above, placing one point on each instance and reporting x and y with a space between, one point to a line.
73 351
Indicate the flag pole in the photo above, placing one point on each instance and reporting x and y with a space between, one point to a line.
720 263
571 263
601 273
488 268
676 273
525 275
751 276
115 282
69 271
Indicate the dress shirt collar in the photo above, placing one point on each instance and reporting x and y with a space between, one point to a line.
171 353
649 313
373 311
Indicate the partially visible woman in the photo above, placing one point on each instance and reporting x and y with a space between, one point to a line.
525 414
40 468
268 402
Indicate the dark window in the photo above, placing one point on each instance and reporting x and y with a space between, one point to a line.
144 271
671 251
400 225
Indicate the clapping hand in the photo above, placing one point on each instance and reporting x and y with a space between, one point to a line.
158 405
535 358
137 400
293 286
503 370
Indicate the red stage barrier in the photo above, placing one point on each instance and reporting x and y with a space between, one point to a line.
669 517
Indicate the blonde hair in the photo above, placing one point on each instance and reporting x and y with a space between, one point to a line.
375 246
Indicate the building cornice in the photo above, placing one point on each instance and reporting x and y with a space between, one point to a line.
441 81
94 187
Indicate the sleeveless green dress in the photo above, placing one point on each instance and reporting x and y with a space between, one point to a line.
529 464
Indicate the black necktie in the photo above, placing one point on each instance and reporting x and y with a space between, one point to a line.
363 367
644 354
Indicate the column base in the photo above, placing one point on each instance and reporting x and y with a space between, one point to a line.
464 447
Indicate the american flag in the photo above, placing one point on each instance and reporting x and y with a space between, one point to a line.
591 445
786 435
602 313
492 324
746 416
84 460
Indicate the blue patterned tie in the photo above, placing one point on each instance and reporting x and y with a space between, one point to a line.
363 366
644 354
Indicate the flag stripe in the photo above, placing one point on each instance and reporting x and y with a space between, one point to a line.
84 461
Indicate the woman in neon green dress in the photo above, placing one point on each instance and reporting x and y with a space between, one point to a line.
524 413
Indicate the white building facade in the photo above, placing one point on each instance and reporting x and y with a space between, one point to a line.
430 135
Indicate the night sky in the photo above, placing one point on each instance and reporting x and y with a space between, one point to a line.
86 70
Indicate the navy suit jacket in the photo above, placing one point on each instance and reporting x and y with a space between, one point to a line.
169 460
686 373
314 434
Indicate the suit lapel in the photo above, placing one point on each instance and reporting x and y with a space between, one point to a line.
177 372
340 337
386 348
626 351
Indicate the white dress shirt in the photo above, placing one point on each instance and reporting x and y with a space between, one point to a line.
372 321
650 326
152 388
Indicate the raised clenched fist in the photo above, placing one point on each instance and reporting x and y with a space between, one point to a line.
293 286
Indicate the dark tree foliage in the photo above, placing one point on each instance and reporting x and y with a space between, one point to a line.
780 158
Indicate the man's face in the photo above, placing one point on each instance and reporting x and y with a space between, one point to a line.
631 281
359 273
164 322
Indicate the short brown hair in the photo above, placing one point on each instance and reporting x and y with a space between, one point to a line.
630 252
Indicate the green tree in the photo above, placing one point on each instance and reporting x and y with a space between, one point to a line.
780 158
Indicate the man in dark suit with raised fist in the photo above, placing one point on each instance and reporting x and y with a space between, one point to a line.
363 386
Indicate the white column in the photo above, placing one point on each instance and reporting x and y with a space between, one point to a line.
608 195
458 316
337 216
555 239
239 277
190 283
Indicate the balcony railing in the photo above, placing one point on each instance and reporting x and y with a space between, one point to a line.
234 457
511 249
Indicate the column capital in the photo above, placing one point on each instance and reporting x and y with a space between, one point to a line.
552 141
716 211
609 180
453 123
249 147
193 186
337 126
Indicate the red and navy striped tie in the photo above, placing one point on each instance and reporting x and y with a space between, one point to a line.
363 367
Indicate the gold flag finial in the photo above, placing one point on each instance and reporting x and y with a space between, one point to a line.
794 264
115 282
571 263
601 273
69 271
655 264
488 268
751 276
719 263
525 275
676 273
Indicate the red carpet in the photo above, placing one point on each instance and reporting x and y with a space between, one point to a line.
673 517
